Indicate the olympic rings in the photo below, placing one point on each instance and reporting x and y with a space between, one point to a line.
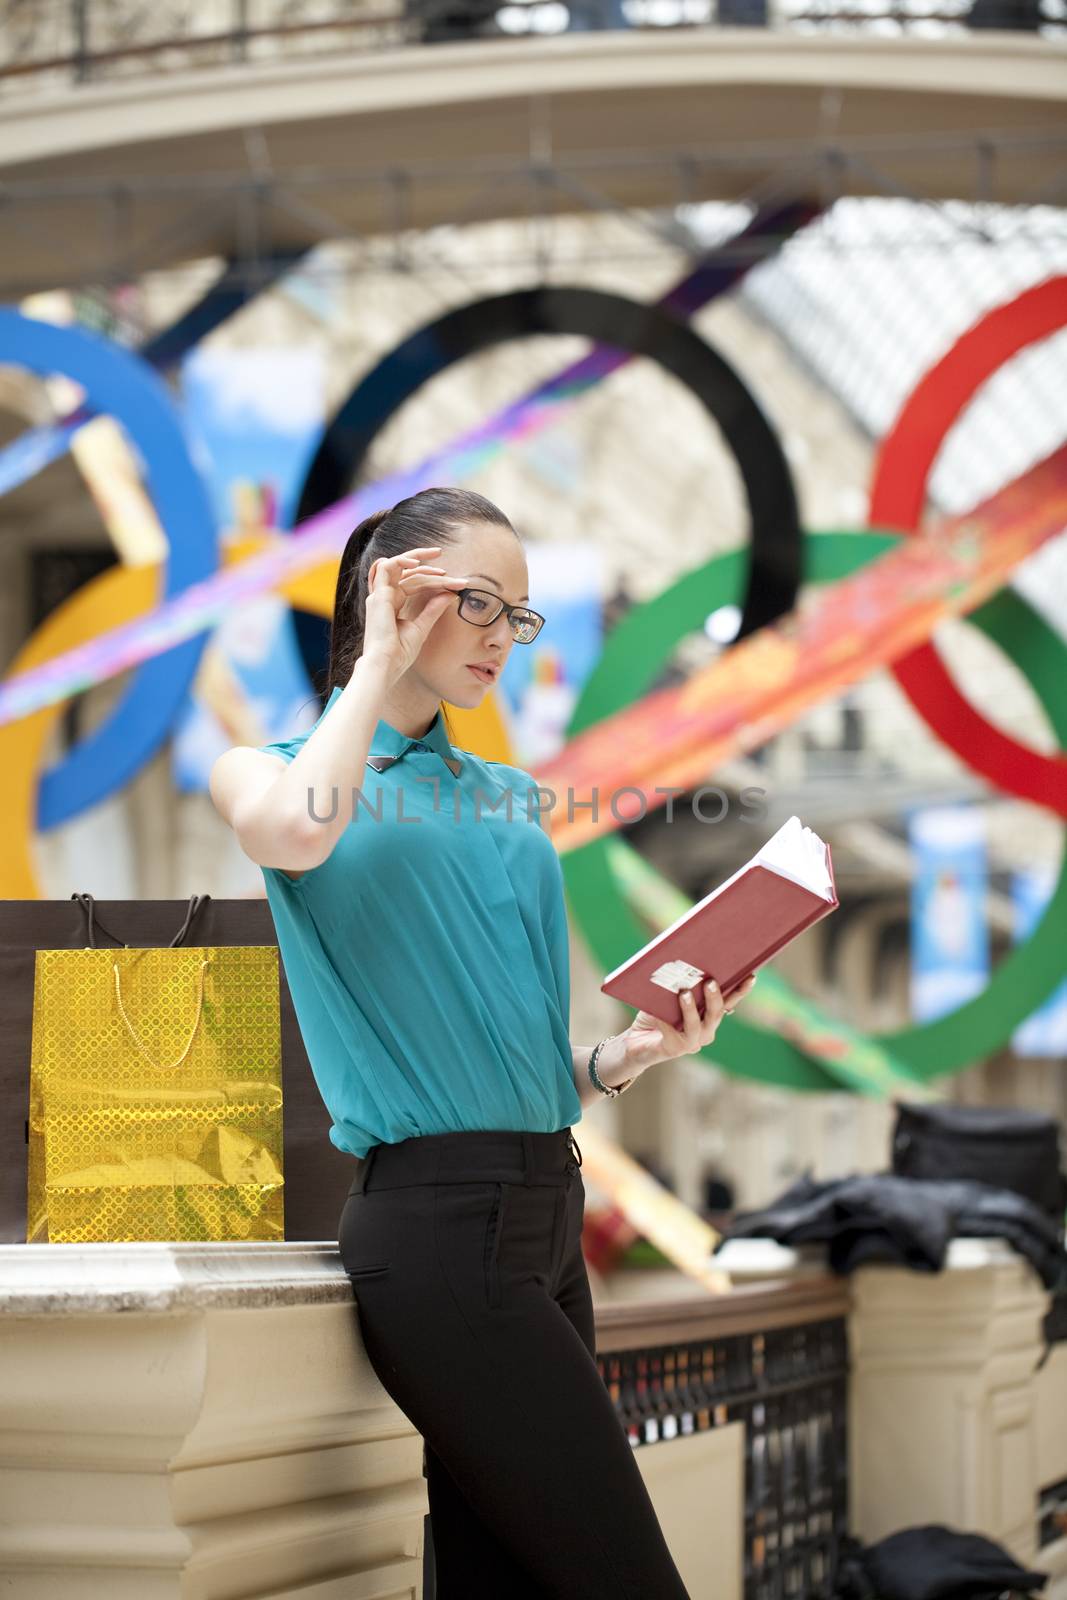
117 383
901 472
632 657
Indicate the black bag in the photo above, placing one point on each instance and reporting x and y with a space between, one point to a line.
1005 1146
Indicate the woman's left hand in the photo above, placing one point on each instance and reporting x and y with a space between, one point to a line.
649 1039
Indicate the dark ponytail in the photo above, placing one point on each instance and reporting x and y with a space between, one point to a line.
433 516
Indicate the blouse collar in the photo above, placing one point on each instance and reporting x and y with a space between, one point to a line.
388 744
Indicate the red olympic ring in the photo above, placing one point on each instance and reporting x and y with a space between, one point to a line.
901 472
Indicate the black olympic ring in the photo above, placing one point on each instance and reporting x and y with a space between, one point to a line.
775 570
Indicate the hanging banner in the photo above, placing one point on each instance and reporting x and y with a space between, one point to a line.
1044 1032
949 933
541 684
255 417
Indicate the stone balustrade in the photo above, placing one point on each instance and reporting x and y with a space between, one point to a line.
200 1421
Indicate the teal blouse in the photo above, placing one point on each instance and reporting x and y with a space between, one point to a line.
428 955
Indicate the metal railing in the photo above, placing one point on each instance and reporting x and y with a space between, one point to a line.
788 1386
71 42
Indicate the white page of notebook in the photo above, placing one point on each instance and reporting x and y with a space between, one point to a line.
796 852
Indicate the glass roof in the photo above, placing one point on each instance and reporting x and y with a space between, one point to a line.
874 292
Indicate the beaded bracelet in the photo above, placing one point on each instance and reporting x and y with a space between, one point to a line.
596 1080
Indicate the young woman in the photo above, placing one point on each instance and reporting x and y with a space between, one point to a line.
420 914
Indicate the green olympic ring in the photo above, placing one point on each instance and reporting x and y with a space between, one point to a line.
637 650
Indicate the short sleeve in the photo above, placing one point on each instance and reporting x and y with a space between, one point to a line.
286 748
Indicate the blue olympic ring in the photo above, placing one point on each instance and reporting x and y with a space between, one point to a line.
120 385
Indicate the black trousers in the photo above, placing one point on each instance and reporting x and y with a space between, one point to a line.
464 1253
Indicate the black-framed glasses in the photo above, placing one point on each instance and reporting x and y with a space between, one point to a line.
482 608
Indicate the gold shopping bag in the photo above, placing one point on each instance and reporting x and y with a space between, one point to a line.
155 1094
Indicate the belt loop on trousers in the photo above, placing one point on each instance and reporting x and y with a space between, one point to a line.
527 1158
574 1145
367 1162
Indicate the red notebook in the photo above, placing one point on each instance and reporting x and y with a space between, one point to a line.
786 887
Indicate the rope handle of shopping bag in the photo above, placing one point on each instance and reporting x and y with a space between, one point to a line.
88 905
199 1013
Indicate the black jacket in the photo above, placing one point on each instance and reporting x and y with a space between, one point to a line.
906 1221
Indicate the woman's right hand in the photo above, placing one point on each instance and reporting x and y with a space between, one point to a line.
405 597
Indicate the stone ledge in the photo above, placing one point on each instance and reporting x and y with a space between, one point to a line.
41 1280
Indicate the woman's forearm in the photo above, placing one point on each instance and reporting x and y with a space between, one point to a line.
611 1068
316 789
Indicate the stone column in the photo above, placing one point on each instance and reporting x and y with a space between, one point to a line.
943 1407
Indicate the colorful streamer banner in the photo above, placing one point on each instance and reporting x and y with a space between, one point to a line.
322 538
673 1227
628 764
